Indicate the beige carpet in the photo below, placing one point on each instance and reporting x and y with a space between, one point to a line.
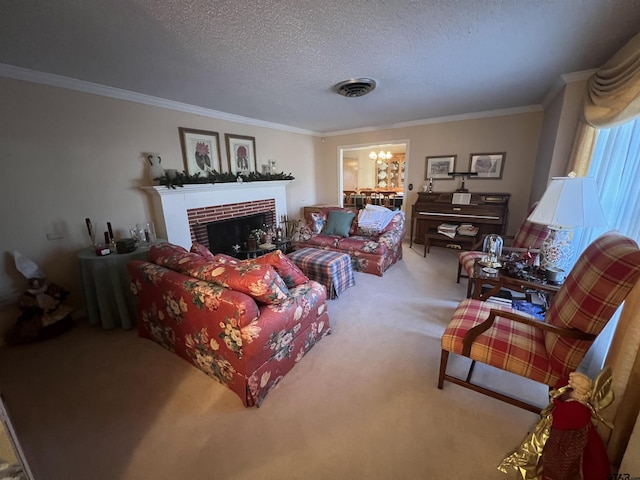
363 404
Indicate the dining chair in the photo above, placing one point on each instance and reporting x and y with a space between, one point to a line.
360 201
545 351
349 198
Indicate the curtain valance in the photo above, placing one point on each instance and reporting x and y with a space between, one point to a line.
613 92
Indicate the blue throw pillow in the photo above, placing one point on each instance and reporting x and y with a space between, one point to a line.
338 223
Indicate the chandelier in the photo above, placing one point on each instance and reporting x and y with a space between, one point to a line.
381 155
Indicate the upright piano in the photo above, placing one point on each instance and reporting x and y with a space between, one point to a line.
487 211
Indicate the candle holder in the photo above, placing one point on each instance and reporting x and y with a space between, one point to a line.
463 176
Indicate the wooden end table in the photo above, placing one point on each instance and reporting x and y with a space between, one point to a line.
500 279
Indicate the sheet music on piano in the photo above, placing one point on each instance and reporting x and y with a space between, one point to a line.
461 199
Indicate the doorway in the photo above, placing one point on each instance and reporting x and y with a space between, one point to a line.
374 173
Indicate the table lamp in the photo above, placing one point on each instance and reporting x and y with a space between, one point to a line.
568 202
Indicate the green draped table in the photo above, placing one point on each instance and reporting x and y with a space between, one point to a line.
105 285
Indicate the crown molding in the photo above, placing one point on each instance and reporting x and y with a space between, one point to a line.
450 118
563 80
19 73
577 76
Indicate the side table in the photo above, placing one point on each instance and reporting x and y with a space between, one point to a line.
105 286
497 279
282 244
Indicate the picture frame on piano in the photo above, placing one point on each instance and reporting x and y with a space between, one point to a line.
487 165
439 167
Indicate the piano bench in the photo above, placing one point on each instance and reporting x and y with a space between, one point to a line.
459 241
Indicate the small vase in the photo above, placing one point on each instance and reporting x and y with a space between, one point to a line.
156 168
266 239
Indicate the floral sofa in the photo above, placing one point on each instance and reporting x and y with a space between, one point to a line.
371 251
244 323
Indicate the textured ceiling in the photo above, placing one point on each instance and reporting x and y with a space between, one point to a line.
277 61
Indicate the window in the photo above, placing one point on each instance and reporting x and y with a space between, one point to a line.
615 164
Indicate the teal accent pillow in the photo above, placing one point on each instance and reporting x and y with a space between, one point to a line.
338 223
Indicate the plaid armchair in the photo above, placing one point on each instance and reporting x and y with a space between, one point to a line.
545 351
528 237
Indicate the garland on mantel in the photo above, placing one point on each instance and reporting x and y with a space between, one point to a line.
180 179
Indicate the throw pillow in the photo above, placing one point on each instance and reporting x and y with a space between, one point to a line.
201 250
338 223
316 222
288 271
222 258
176 258
164 249
305 233
354 224
261 282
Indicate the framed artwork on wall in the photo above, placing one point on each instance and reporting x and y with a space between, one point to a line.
241 153
200 151
487 165
439 167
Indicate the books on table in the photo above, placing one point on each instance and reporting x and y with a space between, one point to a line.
507 302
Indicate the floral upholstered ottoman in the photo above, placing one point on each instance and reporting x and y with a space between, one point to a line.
329 268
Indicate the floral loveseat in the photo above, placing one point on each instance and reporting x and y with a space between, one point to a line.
237 321
371 250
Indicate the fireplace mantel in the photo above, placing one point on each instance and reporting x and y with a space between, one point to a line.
171 205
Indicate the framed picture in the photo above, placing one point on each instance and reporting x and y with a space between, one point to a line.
200 150
487 165
439 167
266 169
241 153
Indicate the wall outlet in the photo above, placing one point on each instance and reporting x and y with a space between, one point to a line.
54 236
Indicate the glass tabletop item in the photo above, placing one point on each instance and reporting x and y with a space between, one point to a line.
492 249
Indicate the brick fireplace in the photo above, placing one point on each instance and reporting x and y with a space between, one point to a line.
182 213
199 218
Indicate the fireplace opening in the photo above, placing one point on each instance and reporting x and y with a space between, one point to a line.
224 234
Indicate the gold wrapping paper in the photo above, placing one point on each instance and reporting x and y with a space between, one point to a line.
526 460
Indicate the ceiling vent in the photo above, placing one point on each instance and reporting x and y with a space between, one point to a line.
356 87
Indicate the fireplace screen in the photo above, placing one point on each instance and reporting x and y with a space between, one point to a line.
224 234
